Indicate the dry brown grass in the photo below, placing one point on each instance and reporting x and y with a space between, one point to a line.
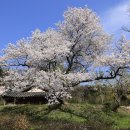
19 122
124 110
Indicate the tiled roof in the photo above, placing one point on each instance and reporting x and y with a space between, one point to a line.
24 94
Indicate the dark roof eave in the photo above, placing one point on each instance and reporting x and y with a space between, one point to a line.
24 94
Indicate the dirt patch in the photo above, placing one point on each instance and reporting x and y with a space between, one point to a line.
124 110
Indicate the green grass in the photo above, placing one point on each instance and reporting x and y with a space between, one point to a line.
122 121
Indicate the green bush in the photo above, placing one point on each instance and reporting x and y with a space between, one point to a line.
100 121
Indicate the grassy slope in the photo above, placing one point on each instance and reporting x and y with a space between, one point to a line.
40 115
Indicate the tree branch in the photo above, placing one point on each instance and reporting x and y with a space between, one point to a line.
101 77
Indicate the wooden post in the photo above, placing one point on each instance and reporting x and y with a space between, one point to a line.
4 101
14 101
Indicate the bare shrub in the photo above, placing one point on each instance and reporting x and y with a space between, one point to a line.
21 123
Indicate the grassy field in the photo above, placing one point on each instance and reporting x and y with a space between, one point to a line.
73 116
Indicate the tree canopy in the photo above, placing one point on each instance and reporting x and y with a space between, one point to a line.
59 59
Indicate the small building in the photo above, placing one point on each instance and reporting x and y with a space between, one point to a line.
28 95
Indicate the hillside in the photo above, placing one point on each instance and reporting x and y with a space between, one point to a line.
74 116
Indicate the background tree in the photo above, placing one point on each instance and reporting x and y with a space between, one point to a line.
122 88
1 75
1 72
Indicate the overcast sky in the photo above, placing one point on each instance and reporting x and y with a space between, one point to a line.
18 18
